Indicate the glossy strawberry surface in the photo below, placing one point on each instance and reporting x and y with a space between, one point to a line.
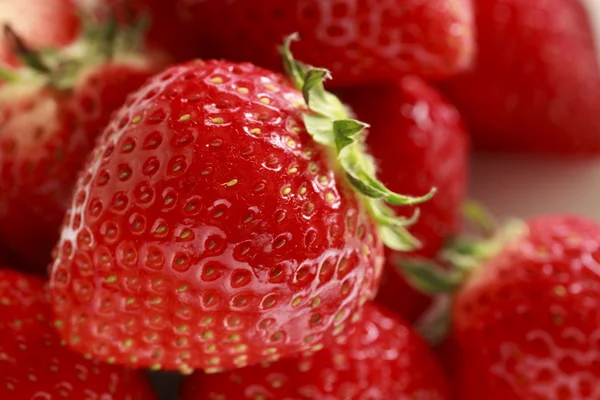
382 360
419 141
209 231
35 365
359 41
46 134
526 323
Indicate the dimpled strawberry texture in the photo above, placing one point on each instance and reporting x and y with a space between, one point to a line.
359 41
419 141
382 360
33 363
209 231
45 137
526 326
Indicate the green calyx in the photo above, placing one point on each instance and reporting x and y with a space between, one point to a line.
462 256
330 125
100 42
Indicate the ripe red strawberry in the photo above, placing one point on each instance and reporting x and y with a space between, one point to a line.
30 18
359 41
536 82
419 141
50 114
212 230
382 360
525 324
34 364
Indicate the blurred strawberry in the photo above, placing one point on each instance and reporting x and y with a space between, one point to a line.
535 86
524 312
41 23
50 113
35 365
382 360
359 41
419 142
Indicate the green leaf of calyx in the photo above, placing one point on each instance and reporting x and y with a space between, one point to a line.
329 123
428 277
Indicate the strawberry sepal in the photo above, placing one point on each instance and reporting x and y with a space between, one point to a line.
329 123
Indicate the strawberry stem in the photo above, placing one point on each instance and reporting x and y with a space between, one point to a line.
29 57
329 124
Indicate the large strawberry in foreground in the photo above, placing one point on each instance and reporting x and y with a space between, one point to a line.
419 141
535 85
359 41
525 323
382 360
225 219
51 111
35 365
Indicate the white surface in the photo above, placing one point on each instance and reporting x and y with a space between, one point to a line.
522 186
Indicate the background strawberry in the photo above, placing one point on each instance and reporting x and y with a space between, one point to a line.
535 86
382 359
359 41
210 230
50 115
419 142
525 322
33 363
41 23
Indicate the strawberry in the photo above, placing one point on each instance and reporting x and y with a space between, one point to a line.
50 114
29 18
383 359
419 141
359 41
522 96
224 220
525 322
34 364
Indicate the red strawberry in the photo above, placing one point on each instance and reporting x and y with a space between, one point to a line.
49 119
419 141
525 324
359 41
30 18
211 230
382 360
33 363
536 82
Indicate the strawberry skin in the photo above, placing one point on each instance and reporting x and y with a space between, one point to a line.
45 136
419 141
358 41
34 364
29 18
208 230
526 323
522 96
382 360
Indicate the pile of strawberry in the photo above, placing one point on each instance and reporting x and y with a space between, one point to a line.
266 198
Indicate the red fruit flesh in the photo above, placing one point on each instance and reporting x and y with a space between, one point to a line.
359 41
536 82
382 360
40 23
45 137
34 364
211 229
419 142
526 323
